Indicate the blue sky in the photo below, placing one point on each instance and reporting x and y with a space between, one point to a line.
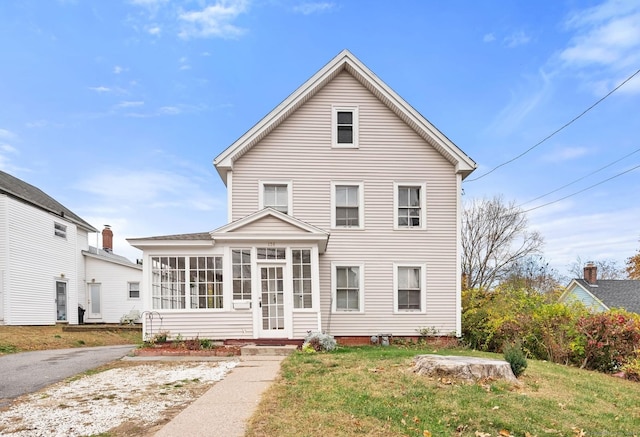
117 108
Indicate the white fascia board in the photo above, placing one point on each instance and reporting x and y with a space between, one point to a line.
143 244
230 227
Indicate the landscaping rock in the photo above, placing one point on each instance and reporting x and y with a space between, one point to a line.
463 368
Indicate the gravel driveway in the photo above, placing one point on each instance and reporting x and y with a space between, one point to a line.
133 398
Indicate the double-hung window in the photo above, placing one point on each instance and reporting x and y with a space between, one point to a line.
409 282
347 284
344 123
134 290
409 208
347 207
276 195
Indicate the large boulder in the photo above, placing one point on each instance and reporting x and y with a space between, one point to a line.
469 369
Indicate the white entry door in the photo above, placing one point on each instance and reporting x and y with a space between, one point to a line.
95 301
272 305
61 301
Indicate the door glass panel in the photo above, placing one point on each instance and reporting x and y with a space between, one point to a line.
61 301
272 288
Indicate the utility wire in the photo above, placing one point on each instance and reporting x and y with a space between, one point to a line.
581 191
579 179
557 130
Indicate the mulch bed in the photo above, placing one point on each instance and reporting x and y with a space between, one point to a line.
170 349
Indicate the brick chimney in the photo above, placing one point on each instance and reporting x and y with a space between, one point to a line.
107 238
591 273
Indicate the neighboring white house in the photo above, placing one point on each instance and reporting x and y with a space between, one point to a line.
344 216
47 268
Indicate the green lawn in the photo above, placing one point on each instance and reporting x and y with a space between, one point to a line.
372 391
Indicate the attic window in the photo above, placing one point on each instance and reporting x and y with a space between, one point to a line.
345 127
60 230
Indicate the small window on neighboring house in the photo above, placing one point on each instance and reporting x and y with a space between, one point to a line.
134 290
410 293
60 230
347 287
347 205
409 206
345 127
276 195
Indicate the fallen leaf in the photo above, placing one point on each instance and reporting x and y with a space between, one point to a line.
496 408
416 419
404 422
504 433
561 405
577 432
426 433
482 434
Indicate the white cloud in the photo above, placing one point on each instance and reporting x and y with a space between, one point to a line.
313 7
516 39
41 124
565 154
214 20
129 104
489 37
154 30
100 89
4 133
148 3
8 148
170 110
605 46
118 69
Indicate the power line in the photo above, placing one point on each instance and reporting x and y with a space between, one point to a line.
579 179
582 191
557 130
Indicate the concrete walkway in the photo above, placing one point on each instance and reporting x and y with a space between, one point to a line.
224 409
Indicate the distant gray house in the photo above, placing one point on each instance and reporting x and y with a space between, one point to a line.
603 295
47 268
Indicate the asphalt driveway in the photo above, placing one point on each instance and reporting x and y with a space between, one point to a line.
27 372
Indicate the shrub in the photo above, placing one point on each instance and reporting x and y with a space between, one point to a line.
632 368
319 341
608 340
514 355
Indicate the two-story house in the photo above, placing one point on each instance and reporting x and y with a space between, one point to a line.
344 216
49 273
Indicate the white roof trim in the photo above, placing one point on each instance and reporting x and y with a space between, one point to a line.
345 60
308 233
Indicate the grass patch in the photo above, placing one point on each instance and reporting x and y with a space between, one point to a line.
31 338
372 391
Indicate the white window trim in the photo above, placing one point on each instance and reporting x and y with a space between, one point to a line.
288 183
334 127
360 186
129 290
334 266
423 205
423 287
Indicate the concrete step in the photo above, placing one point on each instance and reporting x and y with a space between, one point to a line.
252 349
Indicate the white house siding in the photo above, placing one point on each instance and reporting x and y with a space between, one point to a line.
389 151
113 279
268 224
4 246
30 287
303 322
202 324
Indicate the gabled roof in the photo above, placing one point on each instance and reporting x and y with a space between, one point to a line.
345 61
18 189
613 293
302 232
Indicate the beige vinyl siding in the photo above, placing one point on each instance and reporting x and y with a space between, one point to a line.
204 324
3 254
304 322
389 151
268 224
36 259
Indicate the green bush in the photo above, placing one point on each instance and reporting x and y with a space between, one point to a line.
514 355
